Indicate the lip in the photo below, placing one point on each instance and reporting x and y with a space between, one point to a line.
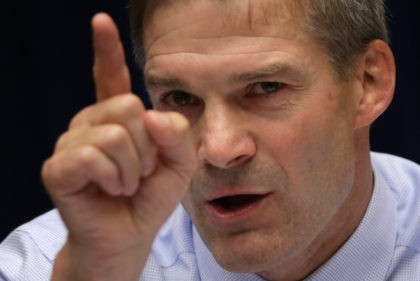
239 214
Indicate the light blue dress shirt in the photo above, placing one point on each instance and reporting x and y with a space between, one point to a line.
385 246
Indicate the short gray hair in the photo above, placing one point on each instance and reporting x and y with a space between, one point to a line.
343 27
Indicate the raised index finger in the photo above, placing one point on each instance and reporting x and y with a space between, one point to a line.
110 69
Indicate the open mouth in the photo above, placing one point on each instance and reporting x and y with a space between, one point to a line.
236 202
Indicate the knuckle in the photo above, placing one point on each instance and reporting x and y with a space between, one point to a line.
115 136
47 173
86 156
62 141
54 173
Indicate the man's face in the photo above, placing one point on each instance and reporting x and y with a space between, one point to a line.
274 130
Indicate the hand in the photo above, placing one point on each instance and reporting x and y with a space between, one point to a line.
117 173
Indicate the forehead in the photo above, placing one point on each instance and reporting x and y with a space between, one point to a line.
215 19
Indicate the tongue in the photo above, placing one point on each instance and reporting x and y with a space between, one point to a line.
232 203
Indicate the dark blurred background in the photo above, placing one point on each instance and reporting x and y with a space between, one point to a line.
46 78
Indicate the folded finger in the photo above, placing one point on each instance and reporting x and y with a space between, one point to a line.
116 143
128 111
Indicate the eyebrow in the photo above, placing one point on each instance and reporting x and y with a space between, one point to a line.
274 69
153 81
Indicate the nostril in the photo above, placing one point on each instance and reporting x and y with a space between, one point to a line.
238 161
226 162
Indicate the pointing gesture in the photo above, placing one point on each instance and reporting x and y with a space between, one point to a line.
109 170
111 73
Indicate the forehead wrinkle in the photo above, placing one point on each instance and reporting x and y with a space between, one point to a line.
260 12
205 53
273 12
250 14
269 18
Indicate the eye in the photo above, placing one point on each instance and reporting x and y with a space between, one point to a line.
183 102
179 99
262 88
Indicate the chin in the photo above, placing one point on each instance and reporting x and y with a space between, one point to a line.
247 252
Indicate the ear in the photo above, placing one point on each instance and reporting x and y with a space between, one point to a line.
377 74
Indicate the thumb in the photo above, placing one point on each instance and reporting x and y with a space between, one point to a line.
172 134
177 161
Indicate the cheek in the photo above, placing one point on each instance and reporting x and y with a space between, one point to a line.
318 159
192 203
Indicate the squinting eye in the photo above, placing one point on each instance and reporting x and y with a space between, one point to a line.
179 99
266 87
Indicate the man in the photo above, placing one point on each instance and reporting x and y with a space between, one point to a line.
261 129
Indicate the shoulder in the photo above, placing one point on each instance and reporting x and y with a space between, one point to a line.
402 178
29 251
396 170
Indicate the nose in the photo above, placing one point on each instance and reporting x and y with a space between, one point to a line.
225 141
